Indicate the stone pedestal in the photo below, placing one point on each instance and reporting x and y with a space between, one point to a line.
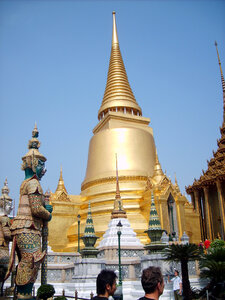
87 269
155 259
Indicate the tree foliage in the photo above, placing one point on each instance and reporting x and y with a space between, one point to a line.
183 253
217 243
212 264
45 291
178 252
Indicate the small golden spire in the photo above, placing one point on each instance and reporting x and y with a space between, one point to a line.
61 178
176 183
158 172
175 178
118 95
223 82
118 211
61 185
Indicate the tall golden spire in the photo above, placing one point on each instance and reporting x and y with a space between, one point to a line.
118 95
223 82
118 211
61 186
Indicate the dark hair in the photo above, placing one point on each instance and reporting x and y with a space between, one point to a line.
150 278
104 277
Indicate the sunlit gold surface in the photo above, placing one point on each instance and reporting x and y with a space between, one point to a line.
133 160
122 130
65 210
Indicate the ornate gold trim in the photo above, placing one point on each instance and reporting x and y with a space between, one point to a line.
21 296
111 179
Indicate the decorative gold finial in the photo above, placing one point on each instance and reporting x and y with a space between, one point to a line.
61 178
175 178
114 33
61 185
176 184
158 172
118 211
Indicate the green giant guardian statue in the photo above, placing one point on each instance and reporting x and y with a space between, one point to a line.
26 229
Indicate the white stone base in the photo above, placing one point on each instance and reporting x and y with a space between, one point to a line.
128 236
132 290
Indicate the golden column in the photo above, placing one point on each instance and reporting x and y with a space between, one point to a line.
179 218
221 206
207 213
196 197
193 200
199 210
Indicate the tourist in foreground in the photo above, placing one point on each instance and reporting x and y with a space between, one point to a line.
105 285
152 283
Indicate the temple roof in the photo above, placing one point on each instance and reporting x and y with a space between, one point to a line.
118 94
216 165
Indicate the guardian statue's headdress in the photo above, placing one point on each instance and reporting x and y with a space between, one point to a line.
5 200
30 160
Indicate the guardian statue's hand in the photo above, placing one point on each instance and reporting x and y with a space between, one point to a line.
49 208
50 217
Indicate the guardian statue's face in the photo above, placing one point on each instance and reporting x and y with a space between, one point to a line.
8 208
5 208
40 169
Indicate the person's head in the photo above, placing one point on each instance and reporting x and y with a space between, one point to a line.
106 282
176 272
152 280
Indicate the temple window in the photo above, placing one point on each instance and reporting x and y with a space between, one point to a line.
172 214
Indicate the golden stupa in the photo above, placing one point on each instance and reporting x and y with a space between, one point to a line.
121 130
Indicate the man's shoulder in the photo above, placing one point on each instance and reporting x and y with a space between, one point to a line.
143 298
177 279
99 298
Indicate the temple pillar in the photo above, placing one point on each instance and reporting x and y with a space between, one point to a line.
221 206
196 197
179 219
161 214
193 200
199 210
207 213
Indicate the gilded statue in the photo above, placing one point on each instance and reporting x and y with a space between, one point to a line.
27 226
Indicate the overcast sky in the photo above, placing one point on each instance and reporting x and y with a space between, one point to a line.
54 58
